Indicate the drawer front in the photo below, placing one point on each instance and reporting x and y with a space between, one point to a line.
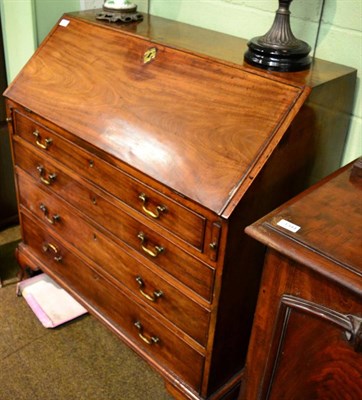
164 298
187 269
131 319
177 219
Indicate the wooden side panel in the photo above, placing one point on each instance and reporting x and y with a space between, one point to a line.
287 173
284 175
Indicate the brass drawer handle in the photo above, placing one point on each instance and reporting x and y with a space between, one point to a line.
52 247
52 220
151 340
47 142
156 294
159 209
46 181
158 249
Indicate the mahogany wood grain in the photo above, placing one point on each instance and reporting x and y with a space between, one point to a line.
305 338
197 275
331 368
122 267
227 120
176 218
102 205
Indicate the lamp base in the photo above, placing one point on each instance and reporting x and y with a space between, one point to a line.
279 49
278 58
119 17
119 11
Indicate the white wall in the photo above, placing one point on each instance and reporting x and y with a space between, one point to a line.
19 34
341 42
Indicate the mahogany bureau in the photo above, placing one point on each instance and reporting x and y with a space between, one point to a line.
141 152
306 339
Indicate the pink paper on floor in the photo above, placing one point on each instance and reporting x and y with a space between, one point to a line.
51 304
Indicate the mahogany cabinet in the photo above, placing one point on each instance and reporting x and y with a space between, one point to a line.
141 152
306 340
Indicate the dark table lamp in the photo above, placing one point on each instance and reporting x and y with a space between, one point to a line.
279 49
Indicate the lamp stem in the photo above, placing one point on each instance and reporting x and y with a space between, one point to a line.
280 34
279 49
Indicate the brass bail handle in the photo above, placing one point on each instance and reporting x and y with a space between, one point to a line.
153 214
158 249
156 294
52 247
151 340
47 142
51 177
52 220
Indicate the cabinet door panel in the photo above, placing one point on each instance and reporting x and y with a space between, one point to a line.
315 354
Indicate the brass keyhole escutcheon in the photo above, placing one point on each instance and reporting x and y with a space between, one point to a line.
149 55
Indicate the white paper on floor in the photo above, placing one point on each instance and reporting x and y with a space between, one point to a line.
51 304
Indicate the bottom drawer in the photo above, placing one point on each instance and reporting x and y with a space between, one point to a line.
144 330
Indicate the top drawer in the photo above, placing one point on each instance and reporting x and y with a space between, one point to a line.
173 216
